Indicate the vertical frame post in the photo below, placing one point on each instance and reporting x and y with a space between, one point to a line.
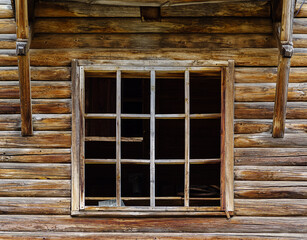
152 136
118 138
187 139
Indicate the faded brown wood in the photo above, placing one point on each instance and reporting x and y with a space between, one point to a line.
299 25
270 189
271 173
167 25
303 11
7 26
6 11
34 188
300 40
34 171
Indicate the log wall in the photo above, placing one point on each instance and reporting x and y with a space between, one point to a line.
270 174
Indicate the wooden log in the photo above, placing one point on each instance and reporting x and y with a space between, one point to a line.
303 10
6 11
300 40
265 92
7 26
167 25
271 173
19 205
299 25
271 156
271 207
34 188
266 141
35 155
34 171
7 41
5 2
38 140
193 225
270 190
264 110
268 75
152 41
265 126
39 90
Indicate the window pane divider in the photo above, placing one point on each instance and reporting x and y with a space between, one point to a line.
152 136
187 139
118 138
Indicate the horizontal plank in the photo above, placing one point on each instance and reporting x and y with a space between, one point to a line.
270 189
152 41
37 73
264 110
166 25
300 40
7 44
38 140
6 11
35 155
247 126
33 223
266 140
271 173
34 171
41 106
41 90
265 92
268 75
271 156
146 236
271 207
41 122
27 205
300 25
302 5
34 188
7 26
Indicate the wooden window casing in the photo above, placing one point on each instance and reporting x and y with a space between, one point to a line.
82 67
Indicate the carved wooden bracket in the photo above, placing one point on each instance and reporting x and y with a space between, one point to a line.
22 47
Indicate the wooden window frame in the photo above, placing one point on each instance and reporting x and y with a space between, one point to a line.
79 67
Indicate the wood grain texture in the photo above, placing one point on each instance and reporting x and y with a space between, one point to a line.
6 11
300 25
7 26
300 40
303 11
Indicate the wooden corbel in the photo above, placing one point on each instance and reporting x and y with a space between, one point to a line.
283 32
22 51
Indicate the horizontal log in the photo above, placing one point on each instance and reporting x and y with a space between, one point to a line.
299 40
299 25
82 9
210 225
5 2
41 106
35 155
303 10
38 140
60 122
19 205
6 11
41 90
153 41
271 156
34 171
246 126
271 207
276 189
37 73
267 141
7 44
267 75
147 236
166 25
265 92
271 173
34 188
295 110
7 26
8 57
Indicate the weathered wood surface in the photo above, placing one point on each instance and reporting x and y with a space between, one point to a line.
153 41
265 126
41 106
300 25
271 207
7 26
265 92
41 90
295 110
37 73
271 173
59 122
303 11
271 156
268 75
34 188
300 40
27 205
167 25
270 189
6 11
38 140
34 171
79 9
35 155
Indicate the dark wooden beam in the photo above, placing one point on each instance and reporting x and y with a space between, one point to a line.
22 50
285 54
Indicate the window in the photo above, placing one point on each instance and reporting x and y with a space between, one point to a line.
152 138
